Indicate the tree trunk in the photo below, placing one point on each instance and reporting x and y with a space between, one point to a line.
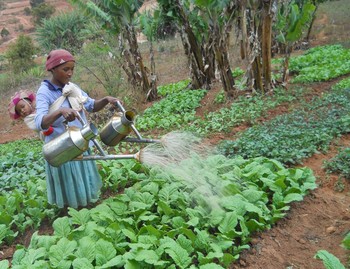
312 23
258 84
153 93
142 72
266 43
243 28
197 64
286 67
223 63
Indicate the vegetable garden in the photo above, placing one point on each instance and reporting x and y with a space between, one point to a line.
202 212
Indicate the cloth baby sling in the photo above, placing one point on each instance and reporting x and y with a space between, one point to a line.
75 98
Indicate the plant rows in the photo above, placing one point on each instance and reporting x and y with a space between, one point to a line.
165 221
200 213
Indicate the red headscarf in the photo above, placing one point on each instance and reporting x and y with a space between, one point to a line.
58 57
24 94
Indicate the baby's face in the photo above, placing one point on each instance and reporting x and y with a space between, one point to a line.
24 108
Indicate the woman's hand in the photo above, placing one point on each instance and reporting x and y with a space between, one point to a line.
113 100
69 114
101 103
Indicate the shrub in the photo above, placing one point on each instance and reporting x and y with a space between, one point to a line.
68 31
42 11
20 54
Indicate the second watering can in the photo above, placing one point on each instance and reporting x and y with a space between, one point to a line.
69 145
117 128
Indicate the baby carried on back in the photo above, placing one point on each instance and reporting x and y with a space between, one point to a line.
22 105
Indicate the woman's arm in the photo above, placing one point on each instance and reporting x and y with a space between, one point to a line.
68 113
101 103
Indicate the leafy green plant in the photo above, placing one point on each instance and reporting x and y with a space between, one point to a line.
329 260
171 88
53 32
23 202
165 220
173 111
292 137
20 54
220 97
321 64
343 84
42 11
101 60
339 164
244 109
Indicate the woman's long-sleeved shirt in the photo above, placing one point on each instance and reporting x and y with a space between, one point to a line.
46 96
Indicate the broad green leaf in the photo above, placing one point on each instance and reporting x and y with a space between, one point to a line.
129 234
329 260
61 227
229 223
202 240
118 207
59 253
148 256
193 222
165 208
152 231
105 251
211 266
132 264
346 242
79 217
178 222
292 197
234 203
117 261
179 256
4 264
82 263
86 249
185 243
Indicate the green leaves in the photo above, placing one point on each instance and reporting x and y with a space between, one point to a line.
329 260
292 137
62 227
59 254
179 108
321 64
152 225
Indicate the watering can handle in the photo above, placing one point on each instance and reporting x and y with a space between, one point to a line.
93 140
81 119
120 106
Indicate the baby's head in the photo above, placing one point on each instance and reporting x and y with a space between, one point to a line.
22 104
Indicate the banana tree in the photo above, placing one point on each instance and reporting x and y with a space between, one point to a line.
149 25
119 18
292 19
204 27
254 25
219 15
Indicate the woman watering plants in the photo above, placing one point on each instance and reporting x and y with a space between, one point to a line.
74 183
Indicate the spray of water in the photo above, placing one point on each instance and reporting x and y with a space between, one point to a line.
182 155
173 148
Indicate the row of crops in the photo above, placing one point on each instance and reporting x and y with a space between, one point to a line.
200 213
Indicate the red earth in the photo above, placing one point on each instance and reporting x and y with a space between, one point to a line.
320 221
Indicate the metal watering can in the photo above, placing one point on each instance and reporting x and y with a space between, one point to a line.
71 144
